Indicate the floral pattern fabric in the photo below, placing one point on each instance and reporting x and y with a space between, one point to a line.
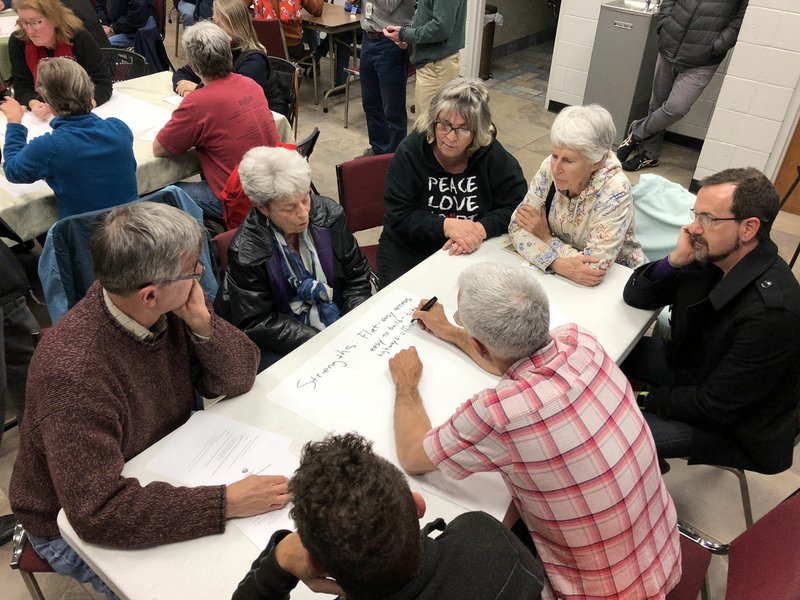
283 10
598 222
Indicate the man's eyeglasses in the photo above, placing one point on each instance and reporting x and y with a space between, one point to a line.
196 276
29 23
707 220
445 128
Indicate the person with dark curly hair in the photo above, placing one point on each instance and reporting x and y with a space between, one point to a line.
358 535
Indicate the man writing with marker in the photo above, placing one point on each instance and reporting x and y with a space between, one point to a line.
563 430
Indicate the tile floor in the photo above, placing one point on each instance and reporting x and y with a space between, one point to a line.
706 497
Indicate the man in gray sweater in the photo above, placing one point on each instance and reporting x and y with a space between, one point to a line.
693 38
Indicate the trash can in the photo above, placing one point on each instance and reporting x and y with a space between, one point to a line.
623 62
487 44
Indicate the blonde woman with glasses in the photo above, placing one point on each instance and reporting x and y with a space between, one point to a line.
450 184
48 29
249 56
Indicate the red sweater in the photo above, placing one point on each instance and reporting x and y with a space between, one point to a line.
97 397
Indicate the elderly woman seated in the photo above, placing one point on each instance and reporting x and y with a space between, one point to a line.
450 183
577 217
88 161
293 267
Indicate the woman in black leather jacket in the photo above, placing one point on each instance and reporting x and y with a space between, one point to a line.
293 266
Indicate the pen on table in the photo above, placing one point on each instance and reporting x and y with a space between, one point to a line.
427 306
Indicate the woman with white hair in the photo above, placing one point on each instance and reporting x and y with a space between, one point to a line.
293 266
450 184
577 217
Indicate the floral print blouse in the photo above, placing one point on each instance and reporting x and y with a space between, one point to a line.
598 222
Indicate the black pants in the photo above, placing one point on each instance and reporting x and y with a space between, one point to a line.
16 348
648 363
395 259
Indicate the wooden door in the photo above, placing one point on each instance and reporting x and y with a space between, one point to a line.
788 173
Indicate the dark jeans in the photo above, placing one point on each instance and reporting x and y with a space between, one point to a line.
16 348
648 362
384 71
203 197
343 51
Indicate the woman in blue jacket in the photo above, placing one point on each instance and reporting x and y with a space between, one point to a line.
79 139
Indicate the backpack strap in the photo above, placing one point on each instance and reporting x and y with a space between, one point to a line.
548 202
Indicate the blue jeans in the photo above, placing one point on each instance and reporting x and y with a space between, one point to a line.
187 12
66 561
203 197
384 71
126 40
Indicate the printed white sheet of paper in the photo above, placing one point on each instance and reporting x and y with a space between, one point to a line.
34 124
174 99
136 114
347 387
8 25
20 189
213 450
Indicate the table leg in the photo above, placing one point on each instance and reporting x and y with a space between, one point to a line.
333 50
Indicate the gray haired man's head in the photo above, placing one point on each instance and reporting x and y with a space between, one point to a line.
208 50
143 242
505 309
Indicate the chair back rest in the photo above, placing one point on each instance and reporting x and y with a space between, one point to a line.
361 183
763 562
125 64
694 564
220 245
306 147
66 267
270 34
286 77
23 556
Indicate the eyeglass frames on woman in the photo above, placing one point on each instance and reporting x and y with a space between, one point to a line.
707 220
30 23
445 128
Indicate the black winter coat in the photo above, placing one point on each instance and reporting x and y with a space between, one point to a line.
13 281
695 33
253 295
735 350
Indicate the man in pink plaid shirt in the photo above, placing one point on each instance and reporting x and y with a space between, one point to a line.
562 427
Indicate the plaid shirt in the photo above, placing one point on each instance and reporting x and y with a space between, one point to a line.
565 432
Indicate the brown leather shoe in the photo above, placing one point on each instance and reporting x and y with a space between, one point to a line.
368 152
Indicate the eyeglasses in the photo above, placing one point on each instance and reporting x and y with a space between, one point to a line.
30 23
445 128
707 220
196 276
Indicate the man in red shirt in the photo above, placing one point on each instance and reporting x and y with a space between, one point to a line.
223 118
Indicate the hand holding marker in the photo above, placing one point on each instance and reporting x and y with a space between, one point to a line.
427 306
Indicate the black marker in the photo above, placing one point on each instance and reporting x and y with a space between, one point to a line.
427 306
